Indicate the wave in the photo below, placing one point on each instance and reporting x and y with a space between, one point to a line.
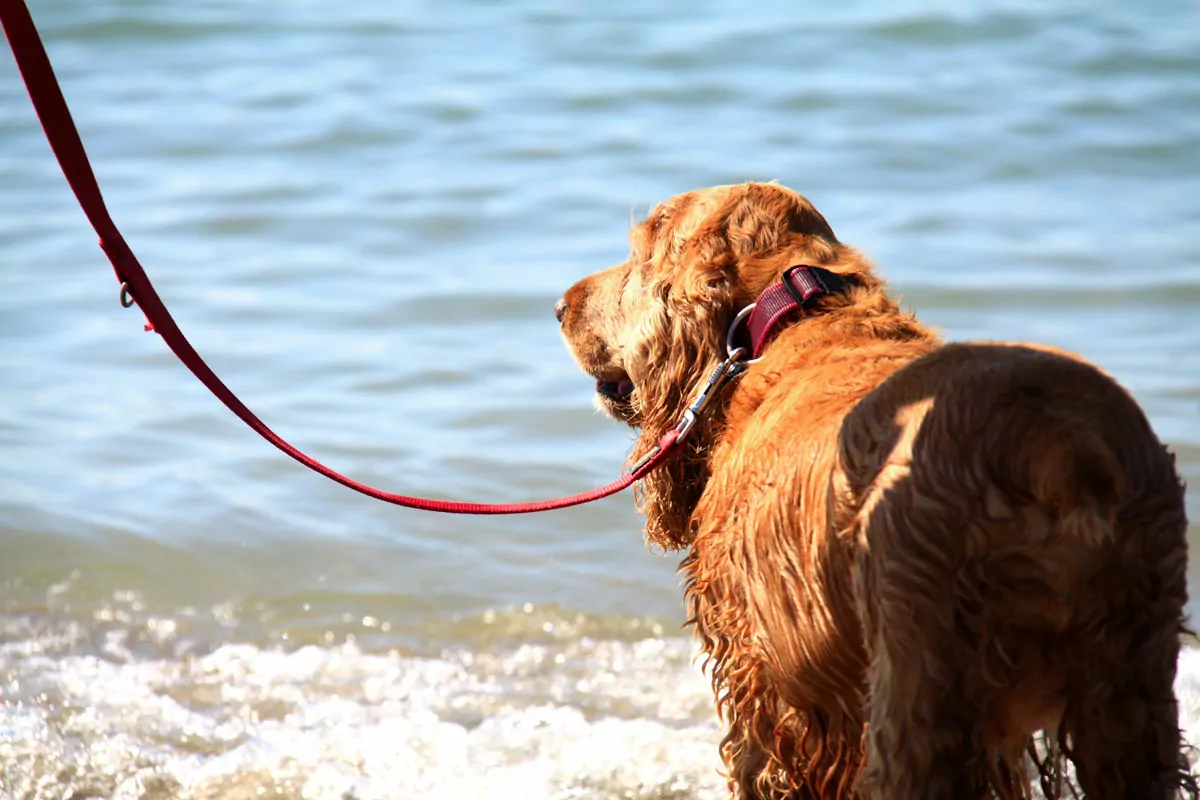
571 717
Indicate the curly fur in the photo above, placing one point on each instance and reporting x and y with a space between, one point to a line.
904 558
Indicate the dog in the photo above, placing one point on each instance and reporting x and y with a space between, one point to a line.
905 558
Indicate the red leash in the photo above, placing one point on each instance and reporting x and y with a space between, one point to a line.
64 140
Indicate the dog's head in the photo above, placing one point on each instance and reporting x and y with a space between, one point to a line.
651 329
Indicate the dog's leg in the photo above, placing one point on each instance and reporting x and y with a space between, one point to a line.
925 735
1122 718
1112 760
927 694
960 614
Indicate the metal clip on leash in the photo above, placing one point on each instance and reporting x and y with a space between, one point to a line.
733 366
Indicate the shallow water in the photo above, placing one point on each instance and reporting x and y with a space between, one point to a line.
362 216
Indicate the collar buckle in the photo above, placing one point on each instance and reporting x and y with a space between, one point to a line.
803 282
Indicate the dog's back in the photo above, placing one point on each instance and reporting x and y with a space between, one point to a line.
1021 565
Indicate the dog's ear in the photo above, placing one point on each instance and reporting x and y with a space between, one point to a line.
697 274
679 344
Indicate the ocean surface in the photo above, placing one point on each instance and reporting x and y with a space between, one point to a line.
362 213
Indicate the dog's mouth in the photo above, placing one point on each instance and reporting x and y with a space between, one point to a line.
619 391
614 395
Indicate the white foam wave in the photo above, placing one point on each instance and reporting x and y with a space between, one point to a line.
588 719
580 719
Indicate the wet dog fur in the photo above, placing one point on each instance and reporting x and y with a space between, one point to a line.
904 558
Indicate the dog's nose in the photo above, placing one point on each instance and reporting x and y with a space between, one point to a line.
560 308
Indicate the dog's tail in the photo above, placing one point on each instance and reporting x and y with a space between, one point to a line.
1073 470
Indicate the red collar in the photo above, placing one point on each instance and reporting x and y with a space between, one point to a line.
756 324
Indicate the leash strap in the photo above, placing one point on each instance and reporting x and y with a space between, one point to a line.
60 130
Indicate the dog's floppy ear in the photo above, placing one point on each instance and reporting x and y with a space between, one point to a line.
697 274
680 342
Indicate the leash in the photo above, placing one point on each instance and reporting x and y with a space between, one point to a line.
762 319
136 287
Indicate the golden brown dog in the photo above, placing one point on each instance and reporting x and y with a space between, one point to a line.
904 557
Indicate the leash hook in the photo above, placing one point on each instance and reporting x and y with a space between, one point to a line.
727 370
127 298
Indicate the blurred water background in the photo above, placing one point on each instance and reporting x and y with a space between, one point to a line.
362 213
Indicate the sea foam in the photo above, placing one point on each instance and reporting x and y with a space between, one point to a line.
572 719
